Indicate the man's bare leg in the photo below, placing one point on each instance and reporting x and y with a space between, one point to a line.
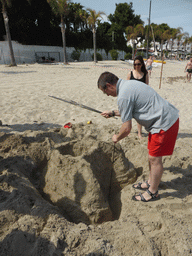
188 77
156 172
144 185
149 73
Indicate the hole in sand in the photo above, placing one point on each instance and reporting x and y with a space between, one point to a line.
73 148
82 177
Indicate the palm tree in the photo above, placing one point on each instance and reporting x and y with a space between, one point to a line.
131 36
83 16
185 40
61 8
156 30
133 33
5 4
163 35
173 37
151 25
167 37
190 41
92 21
179 37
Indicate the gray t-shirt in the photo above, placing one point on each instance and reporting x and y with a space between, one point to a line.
139 101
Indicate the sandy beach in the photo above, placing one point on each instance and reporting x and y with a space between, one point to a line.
52 199
25 89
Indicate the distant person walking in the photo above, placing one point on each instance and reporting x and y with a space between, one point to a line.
188 69
140 74
149 63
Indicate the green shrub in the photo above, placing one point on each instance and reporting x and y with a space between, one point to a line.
114 54
75 55
166 54
98 56
128 56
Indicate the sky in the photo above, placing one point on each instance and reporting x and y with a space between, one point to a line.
176 13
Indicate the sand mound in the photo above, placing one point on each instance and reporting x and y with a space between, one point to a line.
81 175
55 185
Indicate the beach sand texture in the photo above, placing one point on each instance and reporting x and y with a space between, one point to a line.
25 89
68 191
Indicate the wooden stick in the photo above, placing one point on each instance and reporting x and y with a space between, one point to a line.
76 104
161 71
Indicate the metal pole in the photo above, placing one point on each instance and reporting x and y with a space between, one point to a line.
148 30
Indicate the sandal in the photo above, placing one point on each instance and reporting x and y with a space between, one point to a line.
138 186
154 196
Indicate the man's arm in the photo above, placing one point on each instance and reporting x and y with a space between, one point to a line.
186 66
108 114
124 131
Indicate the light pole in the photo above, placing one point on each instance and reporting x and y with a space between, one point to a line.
148 30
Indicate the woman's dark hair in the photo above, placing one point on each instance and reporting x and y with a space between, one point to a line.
143 68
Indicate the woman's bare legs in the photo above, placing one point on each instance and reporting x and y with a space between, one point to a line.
139 128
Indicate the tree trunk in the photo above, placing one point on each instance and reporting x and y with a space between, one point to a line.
63 39
161 49
6 22
185 51
172 49
133 49
178 50
94 45
154 46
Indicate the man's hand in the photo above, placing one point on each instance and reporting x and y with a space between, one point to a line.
107 114
124 131
111 113
114 138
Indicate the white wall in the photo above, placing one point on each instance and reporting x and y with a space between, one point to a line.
27 53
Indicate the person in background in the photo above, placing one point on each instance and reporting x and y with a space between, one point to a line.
149 63
188 69
140 74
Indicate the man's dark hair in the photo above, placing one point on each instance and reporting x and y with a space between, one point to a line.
105 78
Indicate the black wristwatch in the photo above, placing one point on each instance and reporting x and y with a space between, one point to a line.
113 113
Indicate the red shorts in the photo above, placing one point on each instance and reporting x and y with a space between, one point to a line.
163 143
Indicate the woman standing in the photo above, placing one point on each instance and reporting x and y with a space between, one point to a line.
140 74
